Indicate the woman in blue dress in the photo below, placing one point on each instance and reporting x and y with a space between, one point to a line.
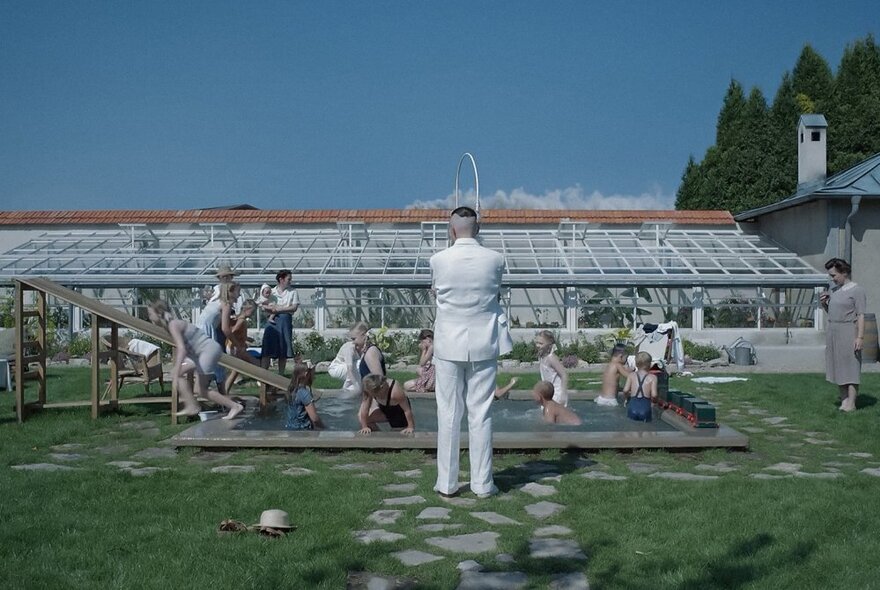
278 336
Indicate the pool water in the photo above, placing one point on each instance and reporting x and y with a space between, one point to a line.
340 414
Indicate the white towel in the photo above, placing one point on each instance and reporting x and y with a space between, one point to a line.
142 347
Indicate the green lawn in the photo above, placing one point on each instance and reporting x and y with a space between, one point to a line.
98 526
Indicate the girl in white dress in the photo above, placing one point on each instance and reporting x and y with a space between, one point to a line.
551 367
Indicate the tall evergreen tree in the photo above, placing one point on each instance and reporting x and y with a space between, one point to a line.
812 79
729 123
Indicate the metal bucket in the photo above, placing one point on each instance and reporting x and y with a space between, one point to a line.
742 355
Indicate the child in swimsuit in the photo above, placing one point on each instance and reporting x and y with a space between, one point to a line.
614 370
640 389
392 405
301 412
552 412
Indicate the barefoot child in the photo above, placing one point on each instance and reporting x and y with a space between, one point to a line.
195 352
301 412
640 389
551 367
614 370
553 412
393 405
425 382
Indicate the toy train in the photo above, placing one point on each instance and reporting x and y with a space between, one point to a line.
699 412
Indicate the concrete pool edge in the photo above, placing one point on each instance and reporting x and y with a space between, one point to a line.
222 434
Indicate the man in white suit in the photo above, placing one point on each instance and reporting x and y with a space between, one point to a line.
470 331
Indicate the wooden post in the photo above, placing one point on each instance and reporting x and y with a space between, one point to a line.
174 404
114 365
42 343
96 364
19 351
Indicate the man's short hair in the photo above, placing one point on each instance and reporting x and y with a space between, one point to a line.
619 349
464 212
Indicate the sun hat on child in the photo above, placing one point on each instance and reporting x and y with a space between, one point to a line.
224 270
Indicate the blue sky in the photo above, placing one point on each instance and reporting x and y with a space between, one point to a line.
315 105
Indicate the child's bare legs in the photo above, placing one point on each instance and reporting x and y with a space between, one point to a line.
218 397
190 405
848 395
504 392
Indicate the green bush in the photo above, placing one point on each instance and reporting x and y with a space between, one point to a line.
80 346
700 352
523 351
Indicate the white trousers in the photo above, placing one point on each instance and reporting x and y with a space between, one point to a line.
460 383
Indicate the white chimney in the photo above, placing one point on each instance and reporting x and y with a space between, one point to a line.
812 152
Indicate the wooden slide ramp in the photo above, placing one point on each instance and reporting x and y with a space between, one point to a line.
100 312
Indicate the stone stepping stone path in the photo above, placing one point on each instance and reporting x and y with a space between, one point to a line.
494 518
717 467
505 558
543 510
410 473
377 535
875 471
818 441
753 429
145 471
124 464
774 420
469 565
385 516
403 501
297 471
469 543
233 469
601 475
553 548
553 530
492 581
434 513
767 476
572 581
356 466
43 467
460 502
680 476
412 557
784 467
819 475
370 581
537 490
156 453
63 448
637 467
400 487
858 455
438 527
66 456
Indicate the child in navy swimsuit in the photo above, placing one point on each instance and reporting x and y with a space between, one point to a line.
640 389
392 405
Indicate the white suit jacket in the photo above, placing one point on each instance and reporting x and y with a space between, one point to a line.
470 323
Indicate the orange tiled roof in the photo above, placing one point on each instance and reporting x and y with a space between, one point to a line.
330 216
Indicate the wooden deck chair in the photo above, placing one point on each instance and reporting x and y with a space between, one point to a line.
137 366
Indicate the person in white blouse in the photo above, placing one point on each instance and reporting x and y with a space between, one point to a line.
278 335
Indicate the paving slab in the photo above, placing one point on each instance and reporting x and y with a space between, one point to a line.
543 510
554 530
601 475
469 543
66 456
784 467
413 557
156 453
494 518
681 476
768 476
145 471
753 429
63 448
819 441
543 475
637 467
377 535
721 467
410 473
434 513
537 490
233 469
469 565
819 475
356 466
371 581
124 464
43 467
460 502
403 501
400 487
774 420
874 471
757 411
553 548
492 581
297 471
385 516
572 581
437 527
858 455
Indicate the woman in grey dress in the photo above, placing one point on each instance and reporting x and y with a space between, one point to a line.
845 304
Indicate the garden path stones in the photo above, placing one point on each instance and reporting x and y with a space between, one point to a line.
410 473
469 565
297 471
492 581
875 471
145 471
784 467
753 429
412 557
460 502
434 513
757 411
680 476
377 535
385 516
437 527
637 467
601 475
721 467
356 466
137 425
66 456
469 543
113 449
494 518
553 548
505 558
370 581
63 448
400 487
544 510
819 475
858 455
124 464
538 490
818 441
767 476
403 501
553 530
572 581
43 467
156 453
774 420
233 469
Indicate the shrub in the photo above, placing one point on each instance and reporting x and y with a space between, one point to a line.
700 352
523 351
570 361
80 346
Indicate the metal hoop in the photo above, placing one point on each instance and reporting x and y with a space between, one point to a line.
476 181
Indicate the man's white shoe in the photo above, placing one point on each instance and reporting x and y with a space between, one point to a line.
489 494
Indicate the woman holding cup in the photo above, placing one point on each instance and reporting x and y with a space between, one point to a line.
844 335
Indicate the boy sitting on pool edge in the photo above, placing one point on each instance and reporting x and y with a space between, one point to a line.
553 412
614 370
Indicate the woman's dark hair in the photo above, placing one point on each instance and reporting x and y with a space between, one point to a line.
281 274
426 334
840 265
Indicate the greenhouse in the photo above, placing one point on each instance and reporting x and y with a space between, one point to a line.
567 271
